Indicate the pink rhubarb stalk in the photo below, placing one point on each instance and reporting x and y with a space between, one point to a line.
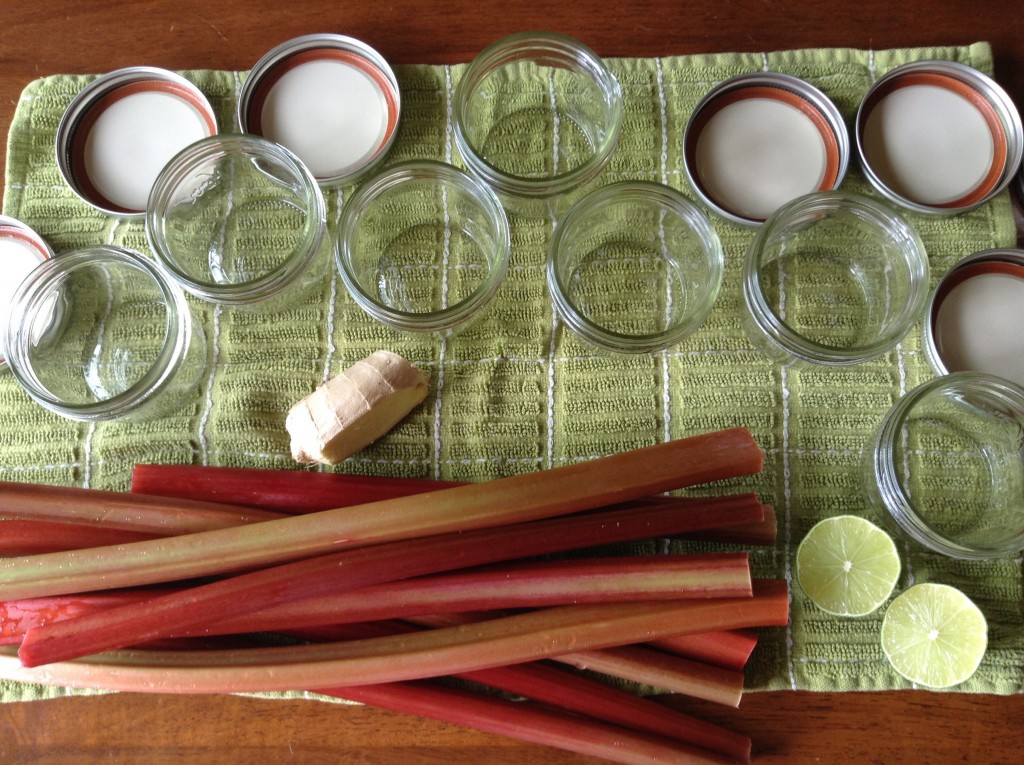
545 494
187 610
507 640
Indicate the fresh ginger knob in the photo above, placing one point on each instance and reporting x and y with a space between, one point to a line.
354 409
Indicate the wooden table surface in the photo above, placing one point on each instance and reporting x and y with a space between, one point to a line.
42 37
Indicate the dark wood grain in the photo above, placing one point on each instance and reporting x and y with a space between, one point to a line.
42 37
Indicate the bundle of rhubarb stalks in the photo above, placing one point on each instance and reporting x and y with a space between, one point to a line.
380 591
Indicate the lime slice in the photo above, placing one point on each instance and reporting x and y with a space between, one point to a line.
847 566
934 635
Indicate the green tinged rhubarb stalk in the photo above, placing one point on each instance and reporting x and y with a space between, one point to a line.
508 640
669 673
637 664
182 612
158 516
558 491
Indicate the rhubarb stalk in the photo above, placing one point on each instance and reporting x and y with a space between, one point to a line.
184 611
557 491
297 492
159 516
530 585
668 673
528 722
507 640
285 491
570 690
31 537
723 649
637 664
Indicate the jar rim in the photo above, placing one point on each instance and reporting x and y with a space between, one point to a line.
888 486
254 147
31 298
370 192
549 47
817 203
668 199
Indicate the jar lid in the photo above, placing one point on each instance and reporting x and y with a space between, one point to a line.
21 250
976 314
332 100
760 140
938 137
122 128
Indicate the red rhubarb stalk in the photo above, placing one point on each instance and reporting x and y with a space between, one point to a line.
759 534
528 722
31 537
723 649
572 691
297 492
18 616
517 585
507 640
183 612
544 494
285 491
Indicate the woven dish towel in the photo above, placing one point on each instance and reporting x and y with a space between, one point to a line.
517 392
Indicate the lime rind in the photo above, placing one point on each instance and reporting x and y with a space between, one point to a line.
847 566
934 635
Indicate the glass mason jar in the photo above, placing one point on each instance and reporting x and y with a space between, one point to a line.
537 116
102 333
239 221
833 279
946 466
634 267
423 247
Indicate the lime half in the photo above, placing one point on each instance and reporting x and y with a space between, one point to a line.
847 566
934 635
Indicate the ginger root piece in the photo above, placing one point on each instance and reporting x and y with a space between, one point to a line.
355 408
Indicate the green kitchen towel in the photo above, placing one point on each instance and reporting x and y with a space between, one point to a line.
517 391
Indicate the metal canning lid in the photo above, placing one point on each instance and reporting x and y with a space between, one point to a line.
938 137
759 140
975 316
21 250
120 130
332 100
